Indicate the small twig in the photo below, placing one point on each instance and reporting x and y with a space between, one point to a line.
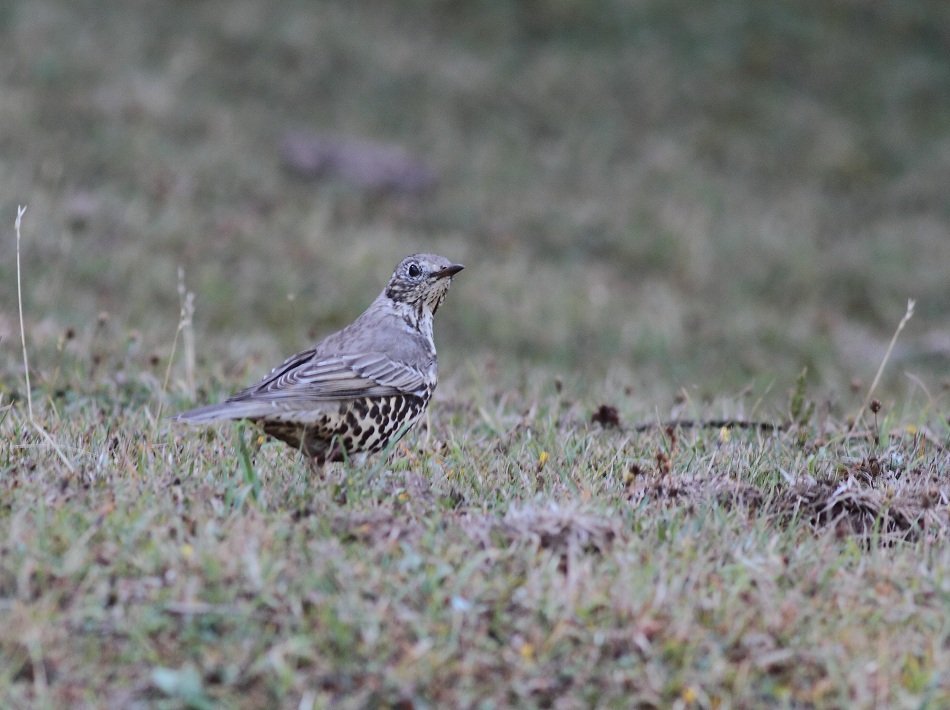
887 356
21 210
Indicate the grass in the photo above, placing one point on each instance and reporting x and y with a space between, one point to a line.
519 559
717 212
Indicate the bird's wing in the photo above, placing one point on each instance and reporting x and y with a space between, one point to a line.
308 379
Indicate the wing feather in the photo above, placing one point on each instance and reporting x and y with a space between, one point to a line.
309 379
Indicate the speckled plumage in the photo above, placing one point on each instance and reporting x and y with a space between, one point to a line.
361 388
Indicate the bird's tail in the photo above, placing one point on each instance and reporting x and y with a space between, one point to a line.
220 412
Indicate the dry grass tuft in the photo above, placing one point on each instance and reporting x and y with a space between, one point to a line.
554 527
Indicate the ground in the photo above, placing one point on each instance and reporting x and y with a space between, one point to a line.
709 212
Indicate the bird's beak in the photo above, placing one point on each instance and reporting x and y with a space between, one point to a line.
448 271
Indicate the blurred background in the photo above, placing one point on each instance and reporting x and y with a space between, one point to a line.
647 195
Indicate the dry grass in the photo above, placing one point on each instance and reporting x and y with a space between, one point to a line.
667 212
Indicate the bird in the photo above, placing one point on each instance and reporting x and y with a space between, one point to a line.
360 389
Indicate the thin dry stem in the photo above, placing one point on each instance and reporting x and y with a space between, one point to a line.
880 370
21 210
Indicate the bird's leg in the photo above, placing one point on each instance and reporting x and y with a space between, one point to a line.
316 465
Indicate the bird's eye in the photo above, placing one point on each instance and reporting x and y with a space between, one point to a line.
414 271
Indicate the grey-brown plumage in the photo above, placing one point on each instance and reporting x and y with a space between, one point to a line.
361 388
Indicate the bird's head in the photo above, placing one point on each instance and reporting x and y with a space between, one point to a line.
422 280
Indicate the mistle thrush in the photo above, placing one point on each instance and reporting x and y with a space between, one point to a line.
361 388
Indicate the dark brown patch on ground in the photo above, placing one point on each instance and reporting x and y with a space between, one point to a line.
606 416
